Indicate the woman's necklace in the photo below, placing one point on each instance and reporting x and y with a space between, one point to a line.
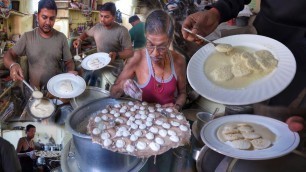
158 86
29 143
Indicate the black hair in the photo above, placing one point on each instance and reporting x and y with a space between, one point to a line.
49 4
109 6
28 127
133 18
159 22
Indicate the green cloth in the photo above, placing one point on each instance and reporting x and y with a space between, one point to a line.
137 35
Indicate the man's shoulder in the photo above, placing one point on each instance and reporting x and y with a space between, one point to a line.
120 27
31 32
59 34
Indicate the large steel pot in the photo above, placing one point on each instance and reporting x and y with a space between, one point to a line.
91 156
207 160
211 161
90 94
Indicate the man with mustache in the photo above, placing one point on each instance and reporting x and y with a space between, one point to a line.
159 72
46 49
110 37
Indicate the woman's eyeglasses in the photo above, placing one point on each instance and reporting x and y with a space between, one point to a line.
160 48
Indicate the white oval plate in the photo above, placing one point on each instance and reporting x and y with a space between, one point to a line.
257 91
77 82
285 142
103 58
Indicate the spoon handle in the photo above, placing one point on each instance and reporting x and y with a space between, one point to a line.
199 36
27 85
214 114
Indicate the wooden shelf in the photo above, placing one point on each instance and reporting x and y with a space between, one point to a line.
74 9
18 13
14 13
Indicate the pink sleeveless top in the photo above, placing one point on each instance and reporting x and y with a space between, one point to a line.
167 90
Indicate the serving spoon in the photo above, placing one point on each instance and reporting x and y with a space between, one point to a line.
28 85
77 57
224 48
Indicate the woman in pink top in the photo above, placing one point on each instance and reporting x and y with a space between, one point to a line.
159 72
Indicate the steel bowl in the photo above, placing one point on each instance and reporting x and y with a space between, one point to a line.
30 103
91 156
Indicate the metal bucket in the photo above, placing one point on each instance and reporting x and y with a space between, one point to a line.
91 156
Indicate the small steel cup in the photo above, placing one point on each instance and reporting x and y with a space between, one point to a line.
202 119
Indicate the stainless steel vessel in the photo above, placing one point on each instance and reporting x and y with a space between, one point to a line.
90 94
211 161
91 156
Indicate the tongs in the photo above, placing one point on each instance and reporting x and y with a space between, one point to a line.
201 37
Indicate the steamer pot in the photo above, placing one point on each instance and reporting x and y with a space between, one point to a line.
208 160
92 157
90 94
294 161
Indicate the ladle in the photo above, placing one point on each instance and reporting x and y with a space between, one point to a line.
28 85
77 57
35 93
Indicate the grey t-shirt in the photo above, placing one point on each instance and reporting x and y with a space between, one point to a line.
44 54
115 39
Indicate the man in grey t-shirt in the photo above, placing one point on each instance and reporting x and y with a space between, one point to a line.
110 37
44 47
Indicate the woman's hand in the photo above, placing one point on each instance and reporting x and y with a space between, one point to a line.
131 89
31 154
168 105
295 123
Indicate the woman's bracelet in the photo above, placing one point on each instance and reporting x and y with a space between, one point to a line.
13 64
